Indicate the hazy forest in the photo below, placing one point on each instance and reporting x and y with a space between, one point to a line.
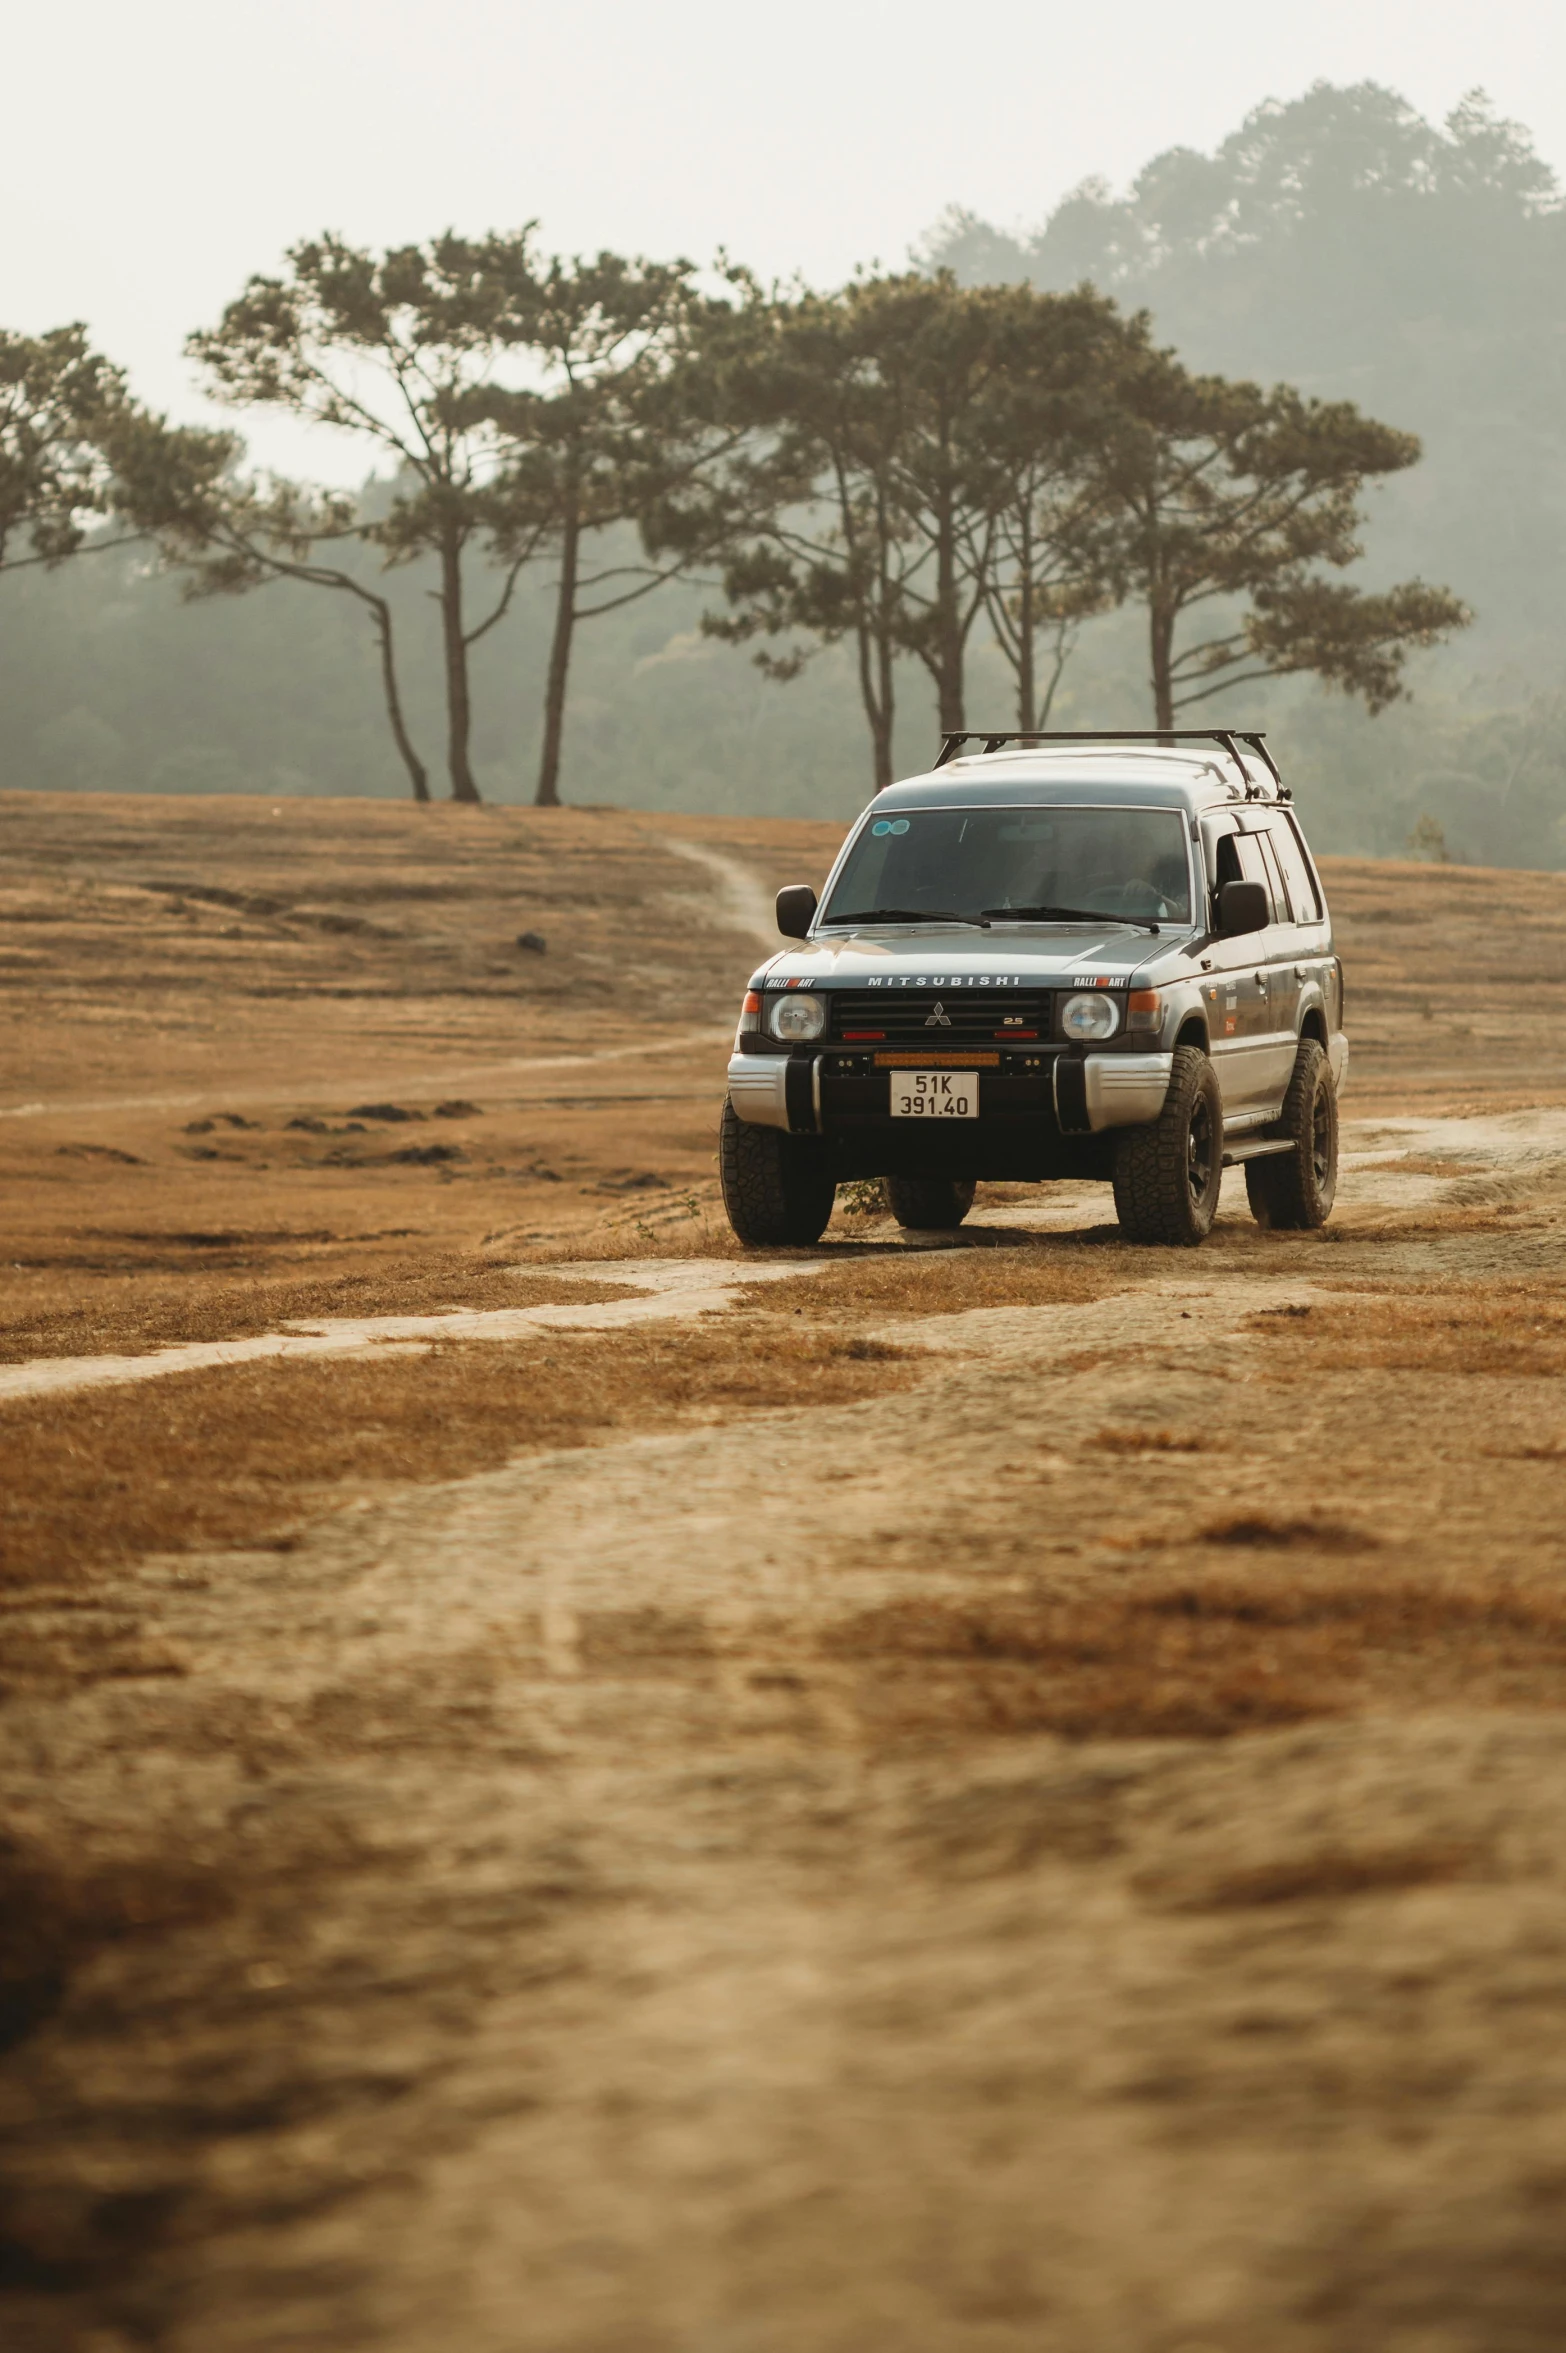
232 636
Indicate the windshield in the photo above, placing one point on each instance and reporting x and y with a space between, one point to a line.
1022 865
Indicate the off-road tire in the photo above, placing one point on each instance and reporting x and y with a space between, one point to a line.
932 1205
1292 1191
777 1189
1168 1175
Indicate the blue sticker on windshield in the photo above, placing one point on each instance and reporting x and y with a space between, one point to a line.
890 825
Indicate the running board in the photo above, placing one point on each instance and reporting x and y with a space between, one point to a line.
1255 1148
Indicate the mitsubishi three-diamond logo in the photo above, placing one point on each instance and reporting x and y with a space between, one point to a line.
939 1019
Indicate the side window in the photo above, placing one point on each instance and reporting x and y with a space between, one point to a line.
1280 897
1296 874
1256 866
1219 834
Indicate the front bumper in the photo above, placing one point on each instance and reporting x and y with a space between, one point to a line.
1114 1090
1125 1090
758 1088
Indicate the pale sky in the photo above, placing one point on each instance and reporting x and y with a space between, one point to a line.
154 155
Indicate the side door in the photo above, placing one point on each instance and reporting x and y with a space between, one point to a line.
1309 938
1238 1012
1285 974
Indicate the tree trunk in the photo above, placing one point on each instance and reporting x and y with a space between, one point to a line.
417 772
882 723
1162 646
548 793
952 702
881 752
1027 692
1063 645
875 691
877 653
459 717
948 628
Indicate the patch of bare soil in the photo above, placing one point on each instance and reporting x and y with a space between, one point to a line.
238 1455
1204 1660
1454 975
980 1798
895 1281
301 1040
1505 1327
146 1316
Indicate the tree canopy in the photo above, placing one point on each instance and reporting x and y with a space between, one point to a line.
522 407
1342 242
395 350
600 438
915 455
911 456
75 448
920 474
1226 500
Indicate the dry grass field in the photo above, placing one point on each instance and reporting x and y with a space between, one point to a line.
566 1791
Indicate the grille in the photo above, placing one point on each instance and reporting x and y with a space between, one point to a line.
937 1017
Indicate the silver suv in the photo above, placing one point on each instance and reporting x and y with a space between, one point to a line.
1101 956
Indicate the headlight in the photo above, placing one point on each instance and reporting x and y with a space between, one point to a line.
796 1018
1090 1017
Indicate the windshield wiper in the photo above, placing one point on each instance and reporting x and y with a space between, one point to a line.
909 915
1067 915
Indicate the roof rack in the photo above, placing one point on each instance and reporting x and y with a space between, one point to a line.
1229 738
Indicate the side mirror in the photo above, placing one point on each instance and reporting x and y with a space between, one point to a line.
1242 907
796 910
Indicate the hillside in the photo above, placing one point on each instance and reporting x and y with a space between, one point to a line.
200 991
564 1788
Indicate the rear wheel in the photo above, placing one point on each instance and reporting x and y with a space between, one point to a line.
1294 1190
1168 1175
932 1205
777 1189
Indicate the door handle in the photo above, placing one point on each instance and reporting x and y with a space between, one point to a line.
1300 972
1261 980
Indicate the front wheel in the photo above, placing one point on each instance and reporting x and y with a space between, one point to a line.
1168 1175
1294 1190
931 1205
777 1189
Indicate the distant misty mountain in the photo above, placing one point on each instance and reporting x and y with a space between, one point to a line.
1342 243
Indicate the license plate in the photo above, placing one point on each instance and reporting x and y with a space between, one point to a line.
935 1094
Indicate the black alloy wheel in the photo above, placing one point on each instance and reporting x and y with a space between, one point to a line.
1294 1191
1168 1175
1201 1150
1324 1143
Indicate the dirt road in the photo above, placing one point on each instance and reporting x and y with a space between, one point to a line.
1019 1808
